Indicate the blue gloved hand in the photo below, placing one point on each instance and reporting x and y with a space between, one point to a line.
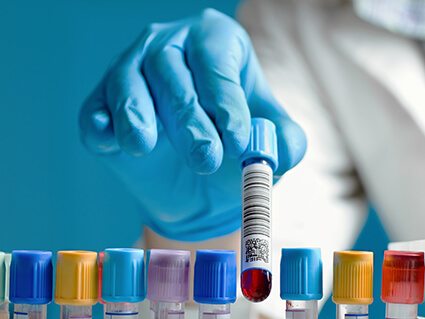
172 116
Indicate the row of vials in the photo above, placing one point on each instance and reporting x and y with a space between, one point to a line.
117 279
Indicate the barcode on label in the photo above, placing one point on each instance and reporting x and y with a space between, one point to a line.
257 184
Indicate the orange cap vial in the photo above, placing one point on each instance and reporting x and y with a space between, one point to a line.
403 277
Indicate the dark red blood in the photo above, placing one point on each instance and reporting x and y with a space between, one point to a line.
256 284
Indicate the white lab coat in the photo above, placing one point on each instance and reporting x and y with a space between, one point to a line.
359 93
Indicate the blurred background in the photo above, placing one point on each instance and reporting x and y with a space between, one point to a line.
53 194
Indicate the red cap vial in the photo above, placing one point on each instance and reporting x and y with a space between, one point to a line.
403 277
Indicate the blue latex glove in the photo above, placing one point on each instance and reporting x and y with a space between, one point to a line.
171 117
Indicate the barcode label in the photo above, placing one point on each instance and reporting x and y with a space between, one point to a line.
257 183
296 314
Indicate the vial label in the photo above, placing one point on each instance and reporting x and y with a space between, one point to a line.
357 316
170 315
121 315
27 315
296 314
20 315
211 315
79 316
257 181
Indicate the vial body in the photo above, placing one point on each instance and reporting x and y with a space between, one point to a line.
401 311
75 312
120 310
256 275
25 311
301 309
207 311
4 310
167 310
352 311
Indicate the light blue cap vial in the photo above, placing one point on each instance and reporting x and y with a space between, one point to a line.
262 143
123 275
301 274
31 277
215 277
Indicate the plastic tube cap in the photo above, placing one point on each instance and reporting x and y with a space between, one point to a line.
353 277
168 277
262 142
215 277
301 274
123 275
31 277
2 277
76 278
403 277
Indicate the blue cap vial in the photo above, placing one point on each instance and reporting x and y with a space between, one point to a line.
31 275
215 277
123 275
301 274
262 143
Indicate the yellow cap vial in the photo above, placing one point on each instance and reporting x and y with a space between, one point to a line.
353 277
76 278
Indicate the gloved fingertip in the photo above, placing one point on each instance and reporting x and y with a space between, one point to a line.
136 132
235 143
137 140
97 133
140 142
292 145
206 156
101 120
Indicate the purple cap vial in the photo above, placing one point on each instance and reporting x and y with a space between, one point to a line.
168 275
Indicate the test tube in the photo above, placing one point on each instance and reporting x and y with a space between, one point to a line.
123 282
301 282
353 284
215 283
168 283
31 279
76 283
7 262
99 277
402 283
4 304
259 161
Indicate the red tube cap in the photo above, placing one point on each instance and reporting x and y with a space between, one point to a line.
403 277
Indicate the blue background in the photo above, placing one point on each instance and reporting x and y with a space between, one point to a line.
53 194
